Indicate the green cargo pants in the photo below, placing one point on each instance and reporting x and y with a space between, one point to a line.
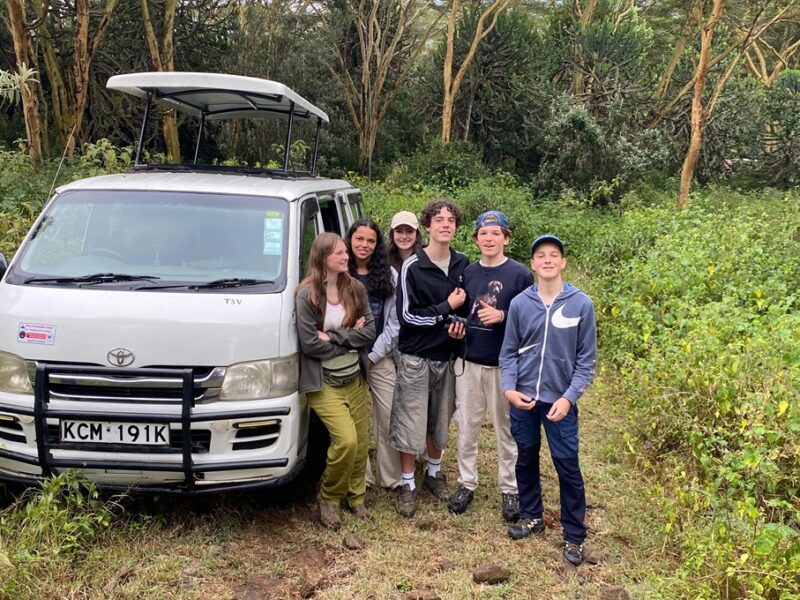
345 413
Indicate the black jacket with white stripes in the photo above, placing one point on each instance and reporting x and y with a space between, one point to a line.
422 307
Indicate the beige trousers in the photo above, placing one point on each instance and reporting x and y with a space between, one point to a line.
480 389
381 381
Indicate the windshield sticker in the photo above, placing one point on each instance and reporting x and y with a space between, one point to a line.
273 235
36 333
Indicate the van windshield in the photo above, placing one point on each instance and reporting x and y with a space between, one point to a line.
158 240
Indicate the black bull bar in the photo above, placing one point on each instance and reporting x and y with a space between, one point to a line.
42 411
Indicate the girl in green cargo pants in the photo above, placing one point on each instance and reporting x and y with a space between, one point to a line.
335 327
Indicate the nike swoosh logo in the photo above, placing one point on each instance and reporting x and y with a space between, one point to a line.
561 322
524 349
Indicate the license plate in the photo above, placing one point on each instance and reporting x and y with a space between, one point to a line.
104 432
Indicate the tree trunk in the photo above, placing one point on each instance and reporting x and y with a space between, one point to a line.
692 19
452 83
584 18
447 99
29 91
163 57
59 94
698 113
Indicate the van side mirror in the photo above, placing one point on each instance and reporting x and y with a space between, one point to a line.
3 265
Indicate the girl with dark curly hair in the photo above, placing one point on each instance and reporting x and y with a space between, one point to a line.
369 264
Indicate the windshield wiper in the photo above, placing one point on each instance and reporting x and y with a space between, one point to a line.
93 278
229 283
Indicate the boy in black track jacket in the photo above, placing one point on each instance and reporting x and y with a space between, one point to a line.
430 289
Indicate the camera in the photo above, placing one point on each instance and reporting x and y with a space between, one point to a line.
455 319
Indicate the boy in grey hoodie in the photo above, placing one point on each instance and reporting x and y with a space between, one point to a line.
548 360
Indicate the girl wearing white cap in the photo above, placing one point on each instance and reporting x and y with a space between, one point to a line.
404 238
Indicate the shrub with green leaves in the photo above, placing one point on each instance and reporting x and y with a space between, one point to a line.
703 325
47 527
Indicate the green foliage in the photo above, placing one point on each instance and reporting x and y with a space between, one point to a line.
11 83
47 526
104 157
600 162
699 312
447 167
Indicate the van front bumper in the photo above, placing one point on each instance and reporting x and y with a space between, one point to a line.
212 447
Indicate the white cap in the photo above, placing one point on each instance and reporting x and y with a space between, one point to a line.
405 217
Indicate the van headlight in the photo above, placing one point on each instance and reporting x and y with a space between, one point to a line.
260 379
14 374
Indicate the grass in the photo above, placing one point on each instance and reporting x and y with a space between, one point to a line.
269 546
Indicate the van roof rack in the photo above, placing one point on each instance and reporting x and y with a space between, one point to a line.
217 96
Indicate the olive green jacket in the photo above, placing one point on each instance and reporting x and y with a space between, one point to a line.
313 350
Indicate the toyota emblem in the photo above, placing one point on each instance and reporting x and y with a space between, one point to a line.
120 357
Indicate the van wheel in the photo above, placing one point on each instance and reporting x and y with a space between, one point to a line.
319 439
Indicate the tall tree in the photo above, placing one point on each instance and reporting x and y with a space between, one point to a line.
69 75
371 68
693 17
699 114
29 88
452 82
754 27
162 53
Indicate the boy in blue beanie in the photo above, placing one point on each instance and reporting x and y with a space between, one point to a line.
548 360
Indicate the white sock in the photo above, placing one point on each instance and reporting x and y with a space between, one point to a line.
434 466
408 479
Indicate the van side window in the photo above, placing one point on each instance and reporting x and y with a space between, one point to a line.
331 220
308 232
354 200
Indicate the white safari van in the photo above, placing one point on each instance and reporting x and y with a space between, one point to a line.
147 324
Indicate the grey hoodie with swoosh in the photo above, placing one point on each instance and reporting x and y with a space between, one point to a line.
550 351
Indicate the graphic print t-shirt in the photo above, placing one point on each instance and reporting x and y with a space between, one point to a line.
496 286
376 306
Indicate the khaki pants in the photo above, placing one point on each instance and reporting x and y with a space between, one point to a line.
480 388
345 413
381 386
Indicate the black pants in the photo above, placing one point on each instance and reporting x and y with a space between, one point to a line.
562 438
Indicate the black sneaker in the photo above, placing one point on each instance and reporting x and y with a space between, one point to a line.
525 527
460 500
573 553
510 507
437 486
405 501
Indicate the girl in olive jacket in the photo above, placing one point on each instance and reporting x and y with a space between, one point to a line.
335 327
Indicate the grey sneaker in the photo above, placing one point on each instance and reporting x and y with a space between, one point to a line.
437 486
511 507
460 500
405 501
573 553
526 527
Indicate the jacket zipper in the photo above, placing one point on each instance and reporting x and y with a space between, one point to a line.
544 346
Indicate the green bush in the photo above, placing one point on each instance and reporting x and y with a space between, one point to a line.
699 313
48 528
447 167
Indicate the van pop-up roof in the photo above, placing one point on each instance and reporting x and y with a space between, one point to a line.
216 96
